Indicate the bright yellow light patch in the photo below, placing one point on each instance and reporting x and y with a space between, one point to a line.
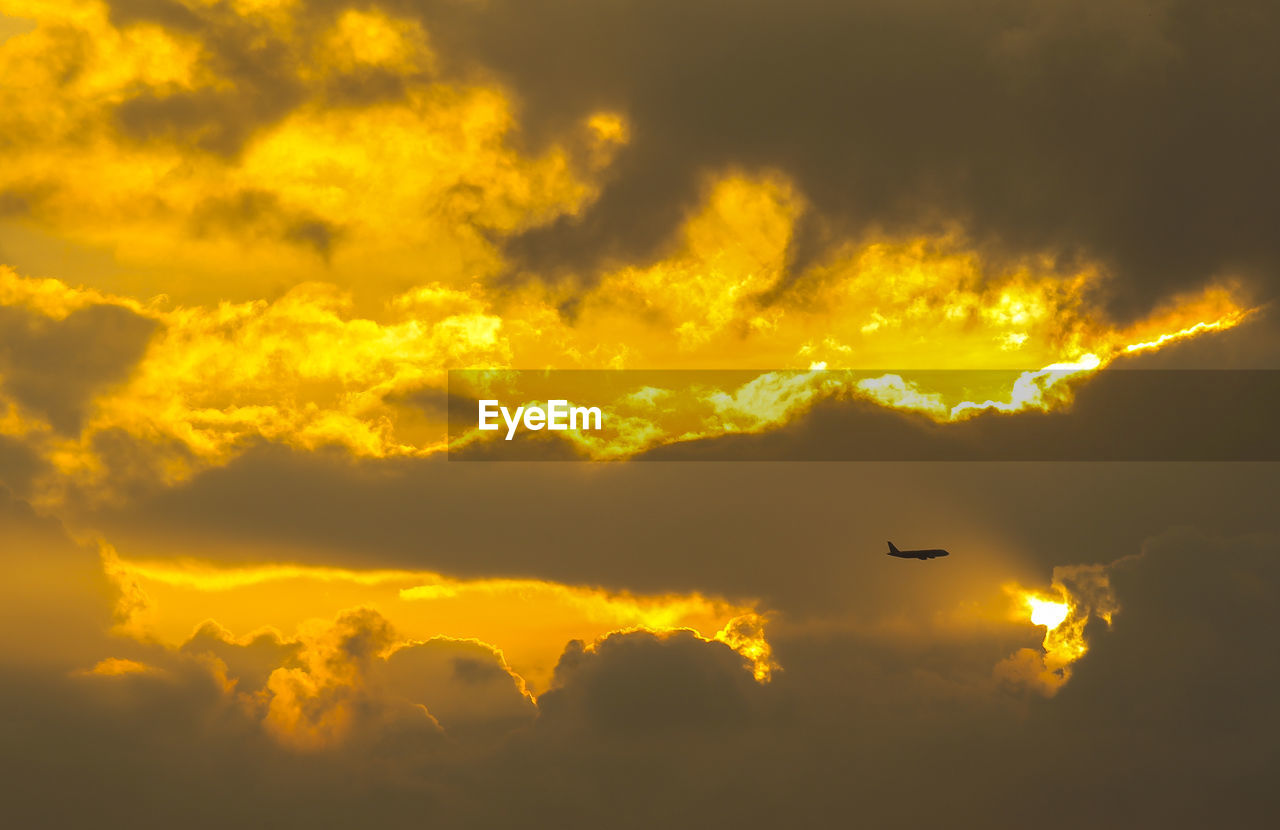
1079 594
1048 613
117 666
529 620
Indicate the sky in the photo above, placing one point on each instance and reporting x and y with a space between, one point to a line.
998 277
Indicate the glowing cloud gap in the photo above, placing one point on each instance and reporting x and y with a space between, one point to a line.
1079 594
529 620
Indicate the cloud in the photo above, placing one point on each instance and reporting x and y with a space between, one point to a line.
248 615
55 367
58 601
309 369
1193 610
1133 135
642 683
326 700
465 684
1126 415
634 713
247 661
20 464
152 132
258 211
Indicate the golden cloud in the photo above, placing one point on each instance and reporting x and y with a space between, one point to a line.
527 620
377 221
1079 594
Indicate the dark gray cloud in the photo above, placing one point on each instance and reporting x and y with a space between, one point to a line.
265 68
465 686
1117 415
19 465
642 683
1139 134
250 663
260 65
1179 687
260 213
55 367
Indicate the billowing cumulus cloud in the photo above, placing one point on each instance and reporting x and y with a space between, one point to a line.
644 682
467 684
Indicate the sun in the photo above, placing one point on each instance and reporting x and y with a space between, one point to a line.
1048 613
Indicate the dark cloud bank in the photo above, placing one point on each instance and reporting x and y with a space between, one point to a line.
1138 132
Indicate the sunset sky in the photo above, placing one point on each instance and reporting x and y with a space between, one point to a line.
802 254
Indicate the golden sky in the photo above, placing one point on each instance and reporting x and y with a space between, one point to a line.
244 242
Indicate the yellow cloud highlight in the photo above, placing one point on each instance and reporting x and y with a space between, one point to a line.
1079 593
745 635
117 666
529 620
370 38
317 703
731 250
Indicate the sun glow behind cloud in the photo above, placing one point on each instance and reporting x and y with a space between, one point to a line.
1080 593
1048 613
529 620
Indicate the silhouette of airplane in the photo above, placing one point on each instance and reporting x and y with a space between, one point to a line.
931 553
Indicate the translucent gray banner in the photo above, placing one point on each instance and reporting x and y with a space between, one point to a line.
1065 413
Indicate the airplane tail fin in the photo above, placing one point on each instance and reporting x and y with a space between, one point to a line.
892 549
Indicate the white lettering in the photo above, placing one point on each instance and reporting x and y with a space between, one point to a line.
486 413
535 417
585 412
556 410
512 423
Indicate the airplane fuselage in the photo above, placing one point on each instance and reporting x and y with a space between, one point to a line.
924 553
